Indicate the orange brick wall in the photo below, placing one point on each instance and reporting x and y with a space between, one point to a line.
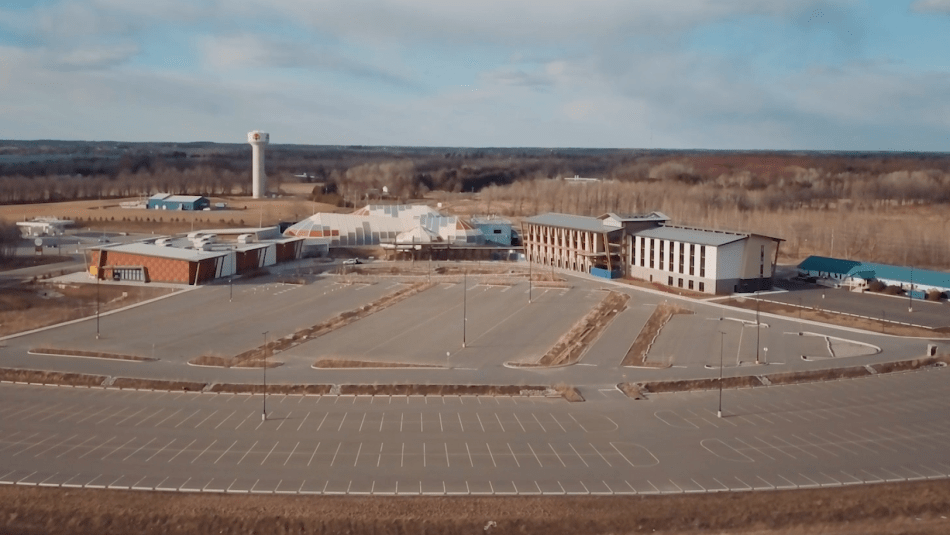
156 269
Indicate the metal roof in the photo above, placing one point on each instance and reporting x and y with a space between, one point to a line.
184 198
174 253
577 222
871 270
692 235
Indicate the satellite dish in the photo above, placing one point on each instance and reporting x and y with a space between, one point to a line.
38 242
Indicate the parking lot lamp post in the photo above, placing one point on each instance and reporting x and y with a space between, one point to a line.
264 407
529 277
230 289
765 356
98 274
464 305
758 327
721 337
910 294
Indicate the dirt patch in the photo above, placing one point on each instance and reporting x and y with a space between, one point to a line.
329 363
569 393
907 365
637 354
916 507
50 378
832 318
157 384
571 346
24 307
817 375
632 390
89 354
656 387
316 390
445 390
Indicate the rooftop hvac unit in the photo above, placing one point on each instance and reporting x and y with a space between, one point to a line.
245 238
164 242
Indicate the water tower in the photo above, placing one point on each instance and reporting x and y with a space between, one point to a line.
257 140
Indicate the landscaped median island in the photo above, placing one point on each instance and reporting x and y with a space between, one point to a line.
253 357
569 393
637 354
331 363
571 347
87 354
639 390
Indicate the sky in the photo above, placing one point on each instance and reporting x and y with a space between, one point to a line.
866 75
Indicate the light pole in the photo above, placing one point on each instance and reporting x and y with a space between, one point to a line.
264 407
765 357
758 326
721 337
464 305
98 274
910 294
230 289
529 277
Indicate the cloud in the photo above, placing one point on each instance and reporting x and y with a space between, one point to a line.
92 56
257 51
931 6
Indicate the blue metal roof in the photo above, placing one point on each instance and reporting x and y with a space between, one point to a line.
871 270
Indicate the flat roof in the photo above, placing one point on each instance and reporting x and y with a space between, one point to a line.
174 253
692 235
577 222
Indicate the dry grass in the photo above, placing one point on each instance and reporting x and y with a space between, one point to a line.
907 508
50 378
91 354
329 363
832 318
25 307
157 384
637 354
16 262
571 346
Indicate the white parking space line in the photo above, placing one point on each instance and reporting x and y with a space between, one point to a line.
93 415
579 456
188 418
143 420
139 449
76 446
97 447
312 455
247 452
226 418
166 418
117 449
268 453
35 444
292 453
215 441
54 446
182 450
205 419
806 452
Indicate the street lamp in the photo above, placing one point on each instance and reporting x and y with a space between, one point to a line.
758 326
464 305
910 294
722 335
529 276
98 274
264 408
230 289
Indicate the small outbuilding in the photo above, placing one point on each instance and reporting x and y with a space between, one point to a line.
166 201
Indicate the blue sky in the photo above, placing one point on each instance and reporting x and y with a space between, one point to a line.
713 74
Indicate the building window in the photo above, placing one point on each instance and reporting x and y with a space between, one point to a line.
670 265
643 251
669 281
680 283
651 253
691 284
662 254
692 259
702 286
682 257
702 261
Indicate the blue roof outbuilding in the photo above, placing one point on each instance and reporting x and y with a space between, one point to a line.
871 270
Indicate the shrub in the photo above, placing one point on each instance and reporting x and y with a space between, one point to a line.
894 290
934 295
877 286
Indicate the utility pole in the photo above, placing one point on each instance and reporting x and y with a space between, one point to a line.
529 277
464 306
721 337
758 328
98 274
264 408
910 294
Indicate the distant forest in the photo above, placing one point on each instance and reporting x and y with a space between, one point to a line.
846 204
